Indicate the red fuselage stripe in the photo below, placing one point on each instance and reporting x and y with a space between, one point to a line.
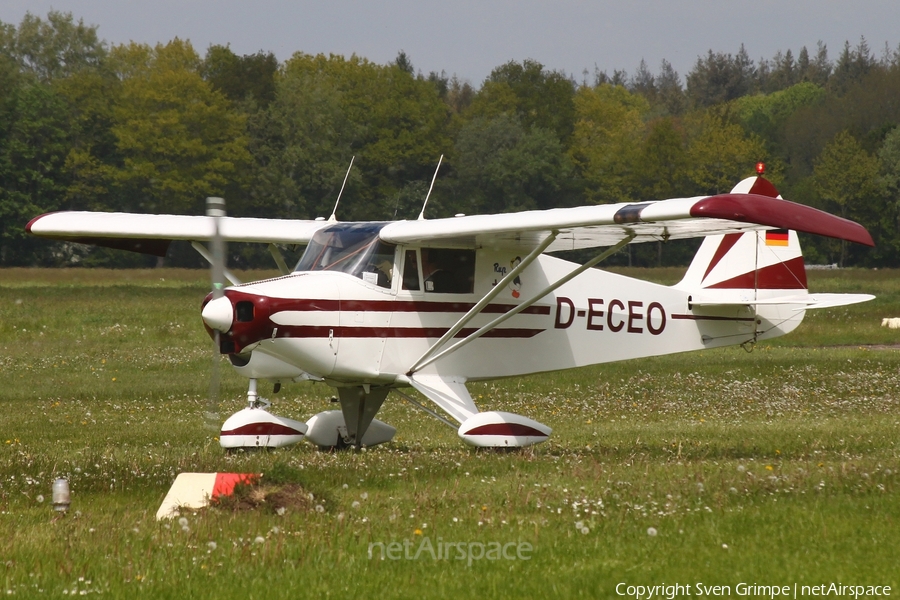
710 318
322 331
306 305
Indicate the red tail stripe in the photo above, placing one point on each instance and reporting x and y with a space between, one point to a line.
788 275
764 187
724 246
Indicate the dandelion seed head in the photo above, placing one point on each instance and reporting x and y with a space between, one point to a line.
651 531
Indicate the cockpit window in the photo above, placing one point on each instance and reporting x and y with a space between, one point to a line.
352 248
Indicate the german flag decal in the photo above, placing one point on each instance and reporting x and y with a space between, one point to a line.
777 237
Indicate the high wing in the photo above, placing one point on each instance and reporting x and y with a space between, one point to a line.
152 234
575 228
608 224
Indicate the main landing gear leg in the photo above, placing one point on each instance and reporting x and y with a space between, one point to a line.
359 406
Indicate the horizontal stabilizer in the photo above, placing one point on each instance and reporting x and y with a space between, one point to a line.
803 303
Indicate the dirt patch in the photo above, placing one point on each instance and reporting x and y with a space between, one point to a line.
278 499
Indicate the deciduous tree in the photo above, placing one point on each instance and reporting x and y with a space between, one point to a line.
179 140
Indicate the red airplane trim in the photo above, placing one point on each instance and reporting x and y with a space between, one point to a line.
763 187
516 429
724 246
710 318
425 306
262 429
312 304
317 331
245 337
788 275
764 210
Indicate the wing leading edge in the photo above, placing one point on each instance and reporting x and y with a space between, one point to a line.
607 224
152 234
578 227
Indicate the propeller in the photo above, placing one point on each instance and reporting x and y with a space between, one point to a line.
215 210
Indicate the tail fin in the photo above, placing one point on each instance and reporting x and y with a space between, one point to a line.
757 278
747 267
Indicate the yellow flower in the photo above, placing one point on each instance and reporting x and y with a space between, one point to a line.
417 532
769 468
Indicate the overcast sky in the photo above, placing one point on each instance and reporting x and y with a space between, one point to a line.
469 38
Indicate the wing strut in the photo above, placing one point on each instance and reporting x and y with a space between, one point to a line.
424 408
501 285
513 312
278 257
201 249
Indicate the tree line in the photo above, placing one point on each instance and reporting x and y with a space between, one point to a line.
133 127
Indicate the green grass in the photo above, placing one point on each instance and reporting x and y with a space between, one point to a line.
776 467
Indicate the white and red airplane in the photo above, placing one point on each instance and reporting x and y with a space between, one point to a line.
379 307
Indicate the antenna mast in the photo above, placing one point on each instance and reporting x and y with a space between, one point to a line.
333 218
422 214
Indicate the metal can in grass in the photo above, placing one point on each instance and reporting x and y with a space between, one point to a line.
61 496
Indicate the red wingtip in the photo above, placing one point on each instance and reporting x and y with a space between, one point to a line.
35 220
774 212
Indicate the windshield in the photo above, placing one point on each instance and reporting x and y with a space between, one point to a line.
352 248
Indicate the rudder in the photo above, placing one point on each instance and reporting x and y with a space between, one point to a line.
748 266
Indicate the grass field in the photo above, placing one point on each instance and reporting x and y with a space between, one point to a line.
775 468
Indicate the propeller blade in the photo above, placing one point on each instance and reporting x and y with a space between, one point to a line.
215 210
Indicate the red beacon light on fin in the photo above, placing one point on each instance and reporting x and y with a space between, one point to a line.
760 168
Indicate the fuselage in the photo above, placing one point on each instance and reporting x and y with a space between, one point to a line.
367 325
